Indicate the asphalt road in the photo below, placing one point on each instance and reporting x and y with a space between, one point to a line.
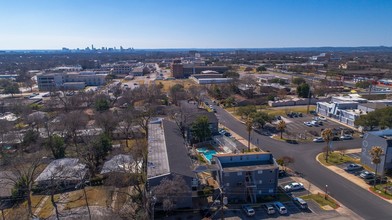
362 202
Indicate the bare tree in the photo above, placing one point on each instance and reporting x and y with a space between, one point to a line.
126 124
71 123
23 175
108 121
170 191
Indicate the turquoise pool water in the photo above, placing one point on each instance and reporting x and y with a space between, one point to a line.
207 153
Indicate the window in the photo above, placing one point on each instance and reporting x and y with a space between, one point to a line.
239 173
259 172
227 184
271 190
259 191
271 181
260 181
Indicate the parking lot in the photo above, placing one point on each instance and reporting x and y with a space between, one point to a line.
314 211
296 129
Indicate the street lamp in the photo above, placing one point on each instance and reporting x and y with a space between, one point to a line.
326 191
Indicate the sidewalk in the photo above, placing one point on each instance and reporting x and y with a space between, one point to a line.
350 177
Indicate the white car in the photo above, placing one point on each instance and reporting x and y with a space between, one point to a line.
308 124
318 139
249 211
346 137
322 118
293 186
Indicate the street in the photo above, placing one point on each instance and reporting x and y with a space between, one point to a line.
360 201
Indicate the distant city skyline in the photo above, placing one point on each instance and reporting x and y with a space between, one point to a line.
153 24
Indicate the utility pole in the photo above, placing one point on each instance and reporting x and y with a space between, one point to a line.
309 96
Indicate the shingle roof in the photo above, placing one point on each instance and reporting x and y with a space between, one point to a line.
63 169
179 160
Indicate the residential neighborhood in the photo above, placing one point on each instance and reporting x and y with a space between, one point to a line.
150 144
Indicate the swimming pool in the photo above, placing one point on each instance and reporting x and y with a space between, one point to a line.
207 153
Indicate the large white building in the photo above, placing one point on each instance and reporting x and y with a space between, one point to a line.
70 80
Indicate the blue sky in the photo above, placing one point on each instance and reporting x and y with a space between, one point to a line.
53 24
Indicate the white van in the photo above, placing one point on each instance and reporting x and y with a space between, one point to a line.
281 208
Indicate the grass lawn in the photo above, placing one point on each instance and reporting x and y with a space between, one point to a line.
320 199
380 191
97 196
335 158
277 110
167 84
284 110
47 209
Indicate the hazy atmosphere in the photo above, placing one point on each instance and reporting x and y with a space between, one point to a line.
46 24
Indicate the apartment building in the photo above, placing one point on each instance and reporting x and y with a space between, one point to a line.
246 177
383 139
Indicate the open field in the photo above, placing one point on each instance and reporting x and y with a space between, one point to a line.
167 84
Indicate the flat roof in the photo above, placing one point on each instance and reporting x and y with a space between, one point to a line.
167 152
157 161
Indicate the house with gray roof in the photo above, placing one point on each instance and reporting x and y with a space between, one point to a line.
167 157
62 173
246 177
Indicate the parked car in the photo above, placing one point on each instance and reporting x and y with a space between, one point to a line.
227 134
352 167
282 173
366 175
318 139
269 209
322 118
249 211
378 180
300 202
346 137
308 124
336 138
314 123
281 208
293 186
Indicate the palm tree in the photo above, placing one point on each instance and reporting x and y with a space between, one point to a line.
280 127
375 154
249 124
327 135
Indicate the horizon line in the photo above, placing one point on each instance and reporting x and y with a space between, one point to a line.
201 48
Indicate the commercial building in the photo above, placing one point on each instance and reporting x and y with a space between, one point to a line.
246 177
70 80
347 109
210 78
383 139
184 70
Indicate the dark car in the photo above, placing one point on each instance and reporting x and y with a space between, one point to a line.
336 138
378 180
282 173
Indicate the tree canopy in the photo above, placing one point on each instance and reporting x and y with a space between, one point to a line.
380 117
363 84
261 69
303 90
200 129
